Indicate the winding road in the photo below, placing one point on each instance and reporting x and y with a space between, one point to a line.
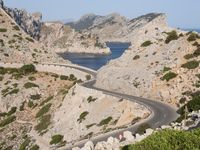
161 113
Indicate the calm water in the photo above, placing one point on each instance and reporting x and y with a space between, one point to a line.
197 30
97 61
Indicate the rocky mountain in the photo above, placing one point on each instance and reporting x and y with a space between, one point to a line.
85 22
65 39
30 23
161 64
17 46
112 27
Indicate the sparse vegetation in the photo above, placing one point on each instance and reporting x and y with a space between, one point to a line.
136 57
43 110
7 121
27 69
35 97
30 85
193 37
91 99
35 147
29 39
3 30
56 139
171 36
88 77
82 116
169 140
191 64
146 44
168 76
62 77
105 121
43 124
165 69
25 144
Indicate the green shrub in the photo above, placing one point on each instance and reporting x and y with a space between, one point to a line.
56 139
14 91
193 37
7 121
168 140
32 78
62 77
1 78
16 28
25 144
43 110
90 125
191 64
136 57
91 99
35 147
27 69
30 104
165 69
88 77
3 30
171 36
12 111
29 39
105 121
168 76
142 128
72 77
43 124
146 43
35 97
29 85
189 56
46 100
82 116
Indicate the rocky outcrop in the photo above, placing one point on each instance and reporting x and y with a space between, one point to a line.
30 23
65 39
18 46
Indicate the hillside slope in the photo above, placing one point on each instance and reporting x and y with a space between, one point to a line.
17 46
162 64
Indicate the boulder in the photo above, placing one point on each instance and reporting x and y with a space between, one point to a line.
88 146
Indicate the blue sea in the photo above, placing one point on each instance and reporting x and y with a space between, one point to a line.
97 61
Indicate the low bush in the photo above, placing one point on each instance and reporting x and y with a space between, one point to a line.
136 57
43 110
56 139
146 43
27 69
16 28
191 64
3 30
171 36
105 121
168 76
82 116
44 123
165 69
29 85
25 144
142 128
35 147
168 140
29 39
7 121
46 100
62 77
91 99
14 91
35 97
88 77
193 37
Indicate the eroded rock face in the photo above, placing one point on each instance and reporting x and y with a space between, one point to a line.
30 23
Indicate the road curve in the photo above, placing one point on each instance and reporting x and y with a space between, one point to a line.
162 114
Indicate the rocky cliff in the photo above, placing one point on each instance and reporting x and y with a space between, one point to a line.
30 23
17 46
162 64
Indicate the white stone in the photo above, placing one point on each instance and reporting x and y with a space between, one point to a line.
128 135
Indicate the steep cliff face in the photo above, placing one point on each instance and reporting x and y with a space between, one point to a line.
30 23
162 63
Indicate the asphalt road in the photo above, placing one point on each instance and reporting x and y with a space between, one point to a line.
162 114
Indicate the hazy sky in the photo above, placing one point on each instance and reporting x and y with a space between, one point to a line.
181 13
